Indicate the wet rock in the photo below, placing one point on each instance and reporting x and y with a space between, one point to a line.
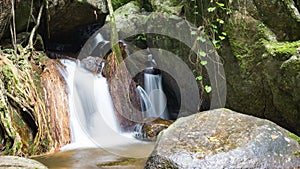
93 64
222 138
55 96
15 162
149 129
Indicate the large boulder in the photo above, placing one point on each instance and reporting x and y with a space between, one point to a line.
261 67
14 162
70 23
222 138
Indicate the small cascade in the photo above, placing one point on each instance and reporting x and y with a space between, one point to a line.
153 100
91 110
144 101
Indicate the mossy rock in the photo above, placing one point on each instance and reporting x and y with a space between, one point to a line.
15 162
222 138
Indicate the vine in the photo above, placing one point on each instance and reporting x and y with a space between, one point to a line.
208 17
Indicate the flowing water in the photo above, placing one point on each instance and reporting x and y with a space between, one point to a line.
96 138
90 106
152 97
154 90
92 117
96 158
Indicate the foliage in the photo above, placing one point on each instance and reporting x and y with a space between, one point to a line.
208 16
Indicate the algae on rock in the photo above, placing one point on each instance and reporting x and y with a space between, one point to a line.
23 119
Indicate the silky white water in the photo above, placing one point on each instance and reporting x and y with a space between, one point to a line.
92 117
153 88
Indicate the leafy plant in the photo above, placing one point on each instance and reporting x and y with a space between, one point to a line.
209 18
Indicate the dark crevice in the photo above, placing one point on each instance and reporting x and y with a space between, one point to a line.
72 41
26 117
297 4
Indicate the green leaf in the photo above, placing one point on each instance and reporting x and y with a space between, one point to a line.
220 21
220 4
215 42
200 38
228 11
203 62
193 33
196 13
207 89
224 33
221 37
211 9
199 78
214 26
202 53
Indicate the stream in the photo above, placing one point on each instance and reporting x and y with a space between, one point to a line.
99 158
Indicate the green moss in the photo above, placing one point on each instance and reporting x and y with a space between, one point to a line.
297 153
294 136
118 3
282 49
265 33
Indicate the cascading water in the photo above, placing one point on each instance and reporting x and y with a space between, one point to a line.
152 98
91 109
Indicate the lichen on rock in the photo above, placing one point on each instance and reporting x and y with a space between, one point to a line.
222 138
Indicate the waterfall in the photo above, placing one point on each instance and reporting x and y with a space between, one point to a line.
156 96
152 98
92 115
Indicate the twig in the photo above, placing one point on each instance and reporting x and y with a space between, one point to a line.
13 26
38 20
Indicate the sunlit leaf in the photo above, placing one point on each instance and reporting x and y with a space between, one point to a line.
199 78
224 33
200 38
207 89
221 37
220 21
203 62
211 9
202 53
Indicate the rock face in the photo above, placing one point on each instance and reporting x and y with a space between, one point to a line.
23 118
222 138
261 60
15 162
150 128
55 96
65 24
72 22
263 38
